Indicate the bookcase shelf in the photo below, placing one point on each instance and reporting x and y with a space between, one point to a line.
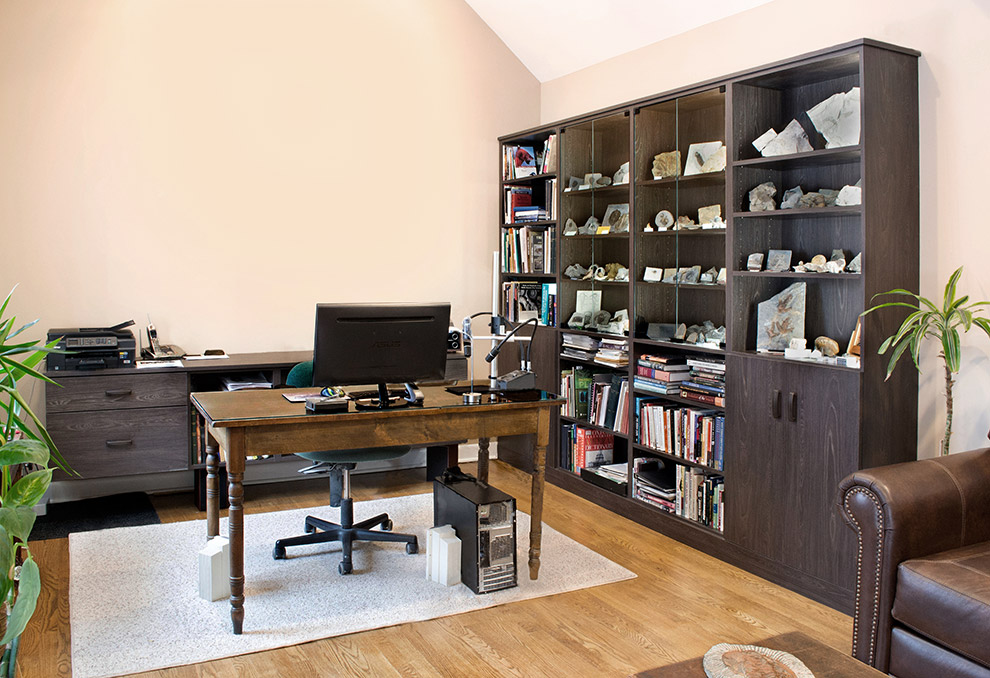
782 463
523 181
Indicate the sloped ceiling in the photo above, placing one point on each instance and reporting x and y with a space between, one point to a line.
556 37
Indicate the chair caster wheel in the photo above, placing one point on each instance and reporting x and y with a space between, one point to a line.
412 548
278 553
344 568
387 525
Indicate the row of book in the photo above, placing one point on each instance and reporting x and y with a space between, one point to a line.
661 374
706 383
523 161
694 434
600 398
524 300
682 490
582 447
529 250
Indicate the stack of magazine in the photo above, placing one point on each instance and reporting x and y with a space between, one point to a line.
579 347
655 483
240 382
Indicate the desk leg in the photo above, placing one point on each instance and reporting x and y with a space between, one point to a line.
212 488
235 526
483 460
536 501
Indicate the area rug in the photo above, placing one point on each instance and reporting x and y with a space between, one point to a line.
100 513
134 604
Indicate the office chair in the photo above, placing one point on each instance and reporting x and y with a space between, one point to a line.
340 463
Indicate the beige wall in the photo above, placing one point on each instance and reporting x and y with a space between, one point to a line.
954 95
224 165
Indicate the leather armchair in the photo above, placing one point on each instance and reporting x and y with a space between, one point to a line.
923 565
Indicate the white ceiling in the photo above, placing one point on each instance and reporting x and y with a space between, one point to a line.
556 37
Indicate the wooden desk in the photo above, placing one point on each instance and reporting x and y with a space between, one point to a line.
248 423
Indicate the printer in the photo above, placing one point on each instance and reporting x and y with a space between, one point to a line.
92 348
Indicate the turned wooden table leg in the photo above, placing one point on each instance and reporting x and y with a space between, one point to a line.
235 527
212 488
483 460
539 477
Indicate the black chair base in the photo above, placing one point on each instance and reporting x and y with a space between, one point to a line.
320 531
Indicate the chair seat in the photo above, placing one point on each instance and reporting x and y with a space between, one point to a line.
356 455
946 597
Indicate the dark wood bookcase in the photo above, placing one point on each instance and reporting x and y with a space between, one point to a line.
792 429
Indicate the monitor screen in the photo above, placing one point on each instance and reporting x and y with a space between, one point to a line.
380 343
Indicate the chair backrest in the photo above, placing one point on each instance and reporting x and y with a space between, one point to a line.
300 376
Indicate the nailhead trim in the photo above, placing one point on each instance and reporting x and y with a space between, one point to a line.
859 562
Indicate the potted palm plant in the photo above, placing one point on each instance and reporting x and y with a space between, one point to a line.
942 323
26 450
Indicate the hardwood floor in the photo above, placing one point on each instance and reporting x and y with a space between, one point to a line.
681 603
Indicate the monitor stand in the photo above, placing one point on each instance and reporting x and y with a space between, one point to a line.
383 401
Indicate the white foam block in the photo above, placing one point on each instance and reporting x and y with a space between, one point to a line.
214 569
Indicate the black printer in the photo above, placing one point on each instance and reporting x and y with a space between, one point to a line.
92 348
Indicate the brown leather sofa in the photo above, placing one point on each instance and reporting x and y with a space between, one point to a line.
923 566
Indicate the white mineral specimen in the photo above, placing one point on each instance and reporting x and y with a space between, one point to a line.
837 118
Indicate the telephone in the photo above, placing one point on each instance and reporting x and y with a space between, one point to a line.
159 351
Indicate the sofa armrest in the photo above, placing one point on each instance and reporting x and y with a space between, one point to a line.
906 511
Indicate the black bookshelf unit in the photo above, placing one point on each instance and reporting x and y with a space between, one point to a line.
786 431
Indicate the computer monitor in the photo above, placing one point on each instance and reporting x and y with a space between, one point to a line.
380 344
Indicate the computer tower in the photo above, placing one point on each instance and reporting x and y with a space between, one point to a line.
484 519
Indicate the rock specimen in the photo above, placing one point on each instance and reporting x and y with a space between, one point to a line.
667 165
778 260
791 198
829 347
856 265
835 265
685 223
590 226
575 271
721 276
812 199
663 220
755 262
709 214
570 227
705 158
691 275
602 182
709 276
761 197
837 119
578 320
850 195
837 254
781 318
681 332
792 140
760 142
621 175
830 194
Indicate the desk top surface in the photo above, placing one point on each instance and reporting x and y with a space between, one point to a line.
268 406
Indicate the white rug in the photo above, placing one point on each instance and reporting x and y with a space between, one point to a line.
134 604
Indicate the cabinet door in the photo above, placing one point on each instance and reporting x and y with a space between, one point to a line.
793 434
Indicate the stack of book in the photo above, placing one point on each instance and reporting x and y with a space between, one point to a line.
700 497
579 346
655 483
548 159
582 447
707 381
529 213
612 352
661 374
515 197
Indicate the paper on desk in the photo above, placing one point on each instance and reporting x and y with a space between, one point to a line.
206 357
158 363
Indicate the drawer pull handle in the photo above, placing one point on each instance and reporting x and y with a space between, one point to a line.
119 392
120 443
775 404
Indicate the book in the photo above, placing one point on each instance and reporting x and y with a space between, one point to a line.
524 162
245 381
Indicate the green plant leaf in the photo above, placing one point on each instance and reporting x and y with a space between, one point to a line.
885 345
23 327
6 553
56 456
18 520
983 324
950 348
895 356
24 452
29 489
950 290
28 590
6 301
888 304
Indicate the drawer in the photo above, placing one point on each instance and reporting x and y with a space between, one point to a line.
116 392
104 444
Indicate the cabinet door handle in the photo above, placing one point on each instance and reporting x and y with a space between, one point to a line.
775 404
119 392
120 443
793 406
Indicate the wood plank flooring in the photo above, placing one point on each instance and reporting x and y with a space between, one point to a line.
681 603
